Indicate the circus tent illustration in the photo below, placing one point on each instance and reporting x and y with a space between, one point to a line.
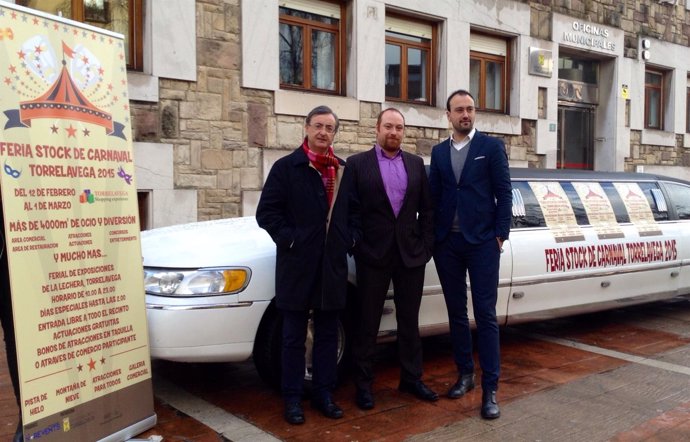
64 100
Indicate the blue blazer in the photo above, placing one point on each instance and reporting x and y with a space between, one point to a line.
483 197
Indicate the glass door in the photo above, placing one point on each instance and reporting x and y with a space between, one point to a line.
575 137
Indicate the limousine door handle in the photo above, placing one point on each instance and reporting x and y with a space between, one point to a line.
518 295
605 284
674 273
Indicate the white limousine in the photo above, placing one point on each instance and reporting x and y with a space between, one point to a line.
580 242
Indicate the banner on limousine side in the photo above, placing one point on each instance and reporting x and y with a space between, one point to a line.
72 229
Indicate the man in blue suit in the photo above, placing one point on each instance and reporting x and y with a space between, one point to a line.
471 190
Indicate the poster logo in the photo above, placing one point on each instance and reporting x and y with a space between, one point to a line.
87 197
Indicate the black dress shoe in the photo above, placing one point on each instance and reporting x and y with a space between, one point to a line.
328 408
464 384
418 389
364 399
489 405
293 413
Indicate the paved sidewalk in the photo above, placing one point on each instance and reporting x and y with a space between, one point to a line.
618 376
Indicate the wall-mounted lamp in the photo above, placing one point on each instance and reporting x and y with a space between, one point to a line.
646 55
646 44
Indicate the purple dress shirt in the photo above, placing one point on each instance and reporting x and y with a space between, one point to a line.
394 178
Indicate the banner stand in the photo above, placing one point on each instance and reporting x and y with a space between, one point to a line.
71 225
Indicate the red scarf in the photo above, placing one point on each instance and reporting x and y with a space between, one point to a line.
327 165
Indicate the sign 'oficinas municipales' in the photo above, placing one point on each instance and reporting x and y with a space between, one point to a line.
589 35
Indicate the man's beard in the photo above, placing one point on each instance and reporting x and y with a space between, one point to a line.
391 145
464 130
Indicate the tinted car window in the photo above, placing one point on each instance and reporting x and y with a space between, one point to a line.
679 196
576 203
660 213
616 203
526 210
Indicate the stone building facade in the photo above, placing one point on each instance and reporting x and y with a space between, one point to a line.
205 139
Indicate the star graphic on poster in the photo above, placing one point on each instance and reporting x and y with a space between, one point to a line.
54 129
71 132
86 132
102 360
80 367
92 364
13 69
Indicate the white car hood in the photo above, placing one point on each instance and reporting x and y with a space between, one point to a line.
232 241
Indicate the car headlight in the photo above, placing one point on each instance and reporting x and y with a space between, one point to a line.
202 282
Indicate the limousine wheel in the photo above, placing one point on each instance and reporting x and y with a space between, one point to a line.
267 348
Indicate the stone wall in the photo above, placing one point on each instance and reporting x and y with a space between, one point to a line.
646 154
220 130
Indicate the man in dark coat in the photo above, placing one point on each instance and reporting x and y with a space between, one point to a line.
472 193
304 207
391 191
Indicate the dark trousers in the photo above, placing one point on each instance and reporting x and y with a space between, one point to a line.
372 286
324 353
7 320
454 259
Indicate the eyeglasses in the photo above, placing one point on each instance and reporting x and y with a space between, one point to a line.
327 127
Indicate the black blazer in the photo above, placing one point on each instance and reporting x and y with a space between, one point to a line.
311 260
483 197
411 232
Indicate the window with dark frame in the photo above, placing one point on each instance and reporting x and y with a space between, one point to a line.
310 51
408 69
487 85
122 16
653 99
488 72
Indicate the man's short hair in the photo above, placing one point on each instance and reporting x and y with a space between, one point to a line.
323 110
458 92
390 109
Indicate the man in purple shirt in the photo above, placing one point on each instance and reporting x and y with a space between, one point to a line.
391 193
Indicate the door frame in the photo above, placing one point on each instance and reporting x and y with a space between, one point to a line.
560 152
